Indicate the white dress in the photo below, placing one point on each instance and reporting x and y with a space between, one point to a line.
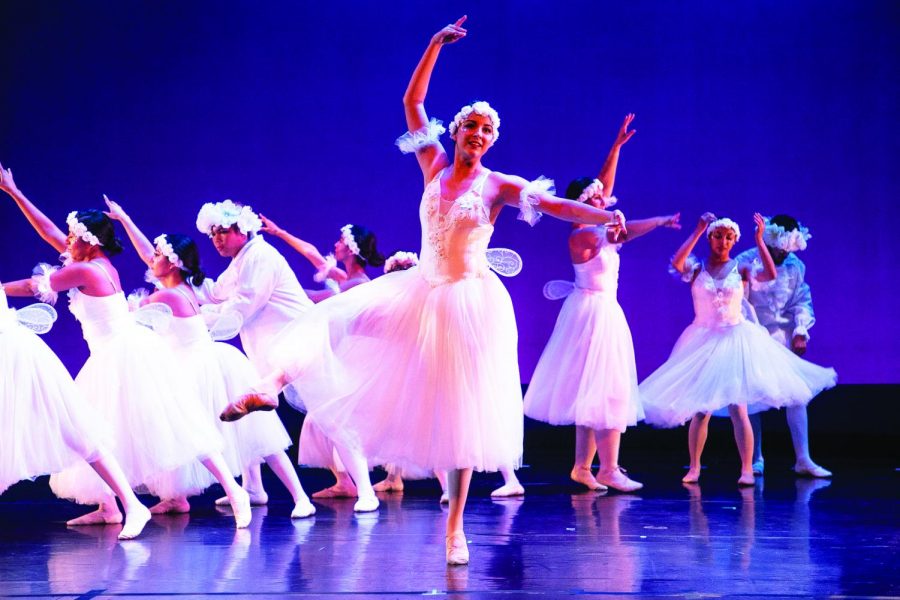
586 374
132 380
722 359
219 373
419 367
45 425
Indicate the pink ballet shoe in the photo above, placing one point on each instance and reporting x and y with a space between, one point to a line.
335 491
250 402
171 506
583 476
256 499
746 479
457 549
692 476
389 485
366 504
618 480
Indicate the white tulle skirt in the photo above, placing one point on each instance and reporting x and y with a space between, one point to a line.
425 377
156 427
586 374
711 368
45 425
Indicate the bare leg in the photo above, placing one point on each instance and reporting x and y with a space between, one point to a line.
743 436
758 462
284 470
136 514
585 449
798 422
511 486
611 474
240 501
696 441
458 481
358 469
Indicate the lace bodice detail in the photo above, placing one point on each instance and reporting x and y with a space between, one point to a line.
717 302
100 316
455 235
601 273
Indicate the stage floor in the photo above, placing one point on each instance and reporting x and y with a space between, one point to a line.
786 537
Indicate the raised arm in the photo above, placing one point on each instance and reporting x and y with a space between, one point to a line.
45 228
433 157
309 252
144 248
769 271
608 172
681 255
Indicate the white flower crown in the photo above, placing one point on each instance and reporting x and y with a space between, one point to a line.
80 230
595 190
724 223
777 236
226 214
165 248
349 240
400 261
479 108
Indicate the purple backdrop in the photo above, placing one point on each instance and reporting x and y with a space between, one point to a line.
293 108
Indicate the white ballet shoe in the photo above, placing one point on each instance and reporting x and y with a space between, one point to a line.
618 480
457 549
746 479
101 516
509 490
171 506
583 476
812 470
366 504
445 498
256 499
336 491
240 504
252 401
303 509
135 521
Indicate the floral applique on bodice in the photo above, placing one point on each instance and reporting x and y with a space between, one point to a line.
455 235
600 273
717 302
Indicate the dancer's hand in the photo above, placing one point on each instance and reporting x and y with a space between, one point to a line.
624 135
7 184
269 226
671 221
450 33
760 222
115 212
798 345
705 219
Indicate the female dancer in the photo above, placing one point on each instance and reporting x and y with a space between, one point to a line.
219 370
722 360
47 425
419 367
129 377
586 374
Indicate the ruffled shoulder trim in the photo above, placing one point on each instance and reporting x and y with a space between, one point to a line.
40 278
691 265
413 141
530 196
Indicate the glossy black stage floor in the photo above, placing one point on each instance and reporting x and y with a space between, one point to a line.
786 537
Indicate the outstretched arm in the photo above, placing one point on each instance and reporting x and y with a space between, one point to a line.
678 261
22 287
48 231
638 227
432 158
309 252
608 172
514 191
140 242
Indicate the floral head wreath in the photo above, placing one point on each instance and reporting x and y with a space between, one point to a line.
401 260
479 108
165 248
80 230
225 214
777 236
595 190
725 223
349 240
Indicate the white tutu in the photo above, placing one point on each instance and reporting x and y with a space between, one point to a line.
45 426
587 375
722 359
132 380
419 367
217 373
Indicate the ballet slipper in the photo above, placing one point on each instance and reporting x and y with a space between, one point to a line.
692 476
256 499
457 549
366 504
135 520
811 469
240 504
618 480
445 498
101 516
252 401
303 509
336 491
583 476
759 467
389 485
746 479
172 505
508 490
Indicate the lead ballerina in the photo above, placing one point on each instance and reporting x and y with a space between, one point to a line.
419 368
